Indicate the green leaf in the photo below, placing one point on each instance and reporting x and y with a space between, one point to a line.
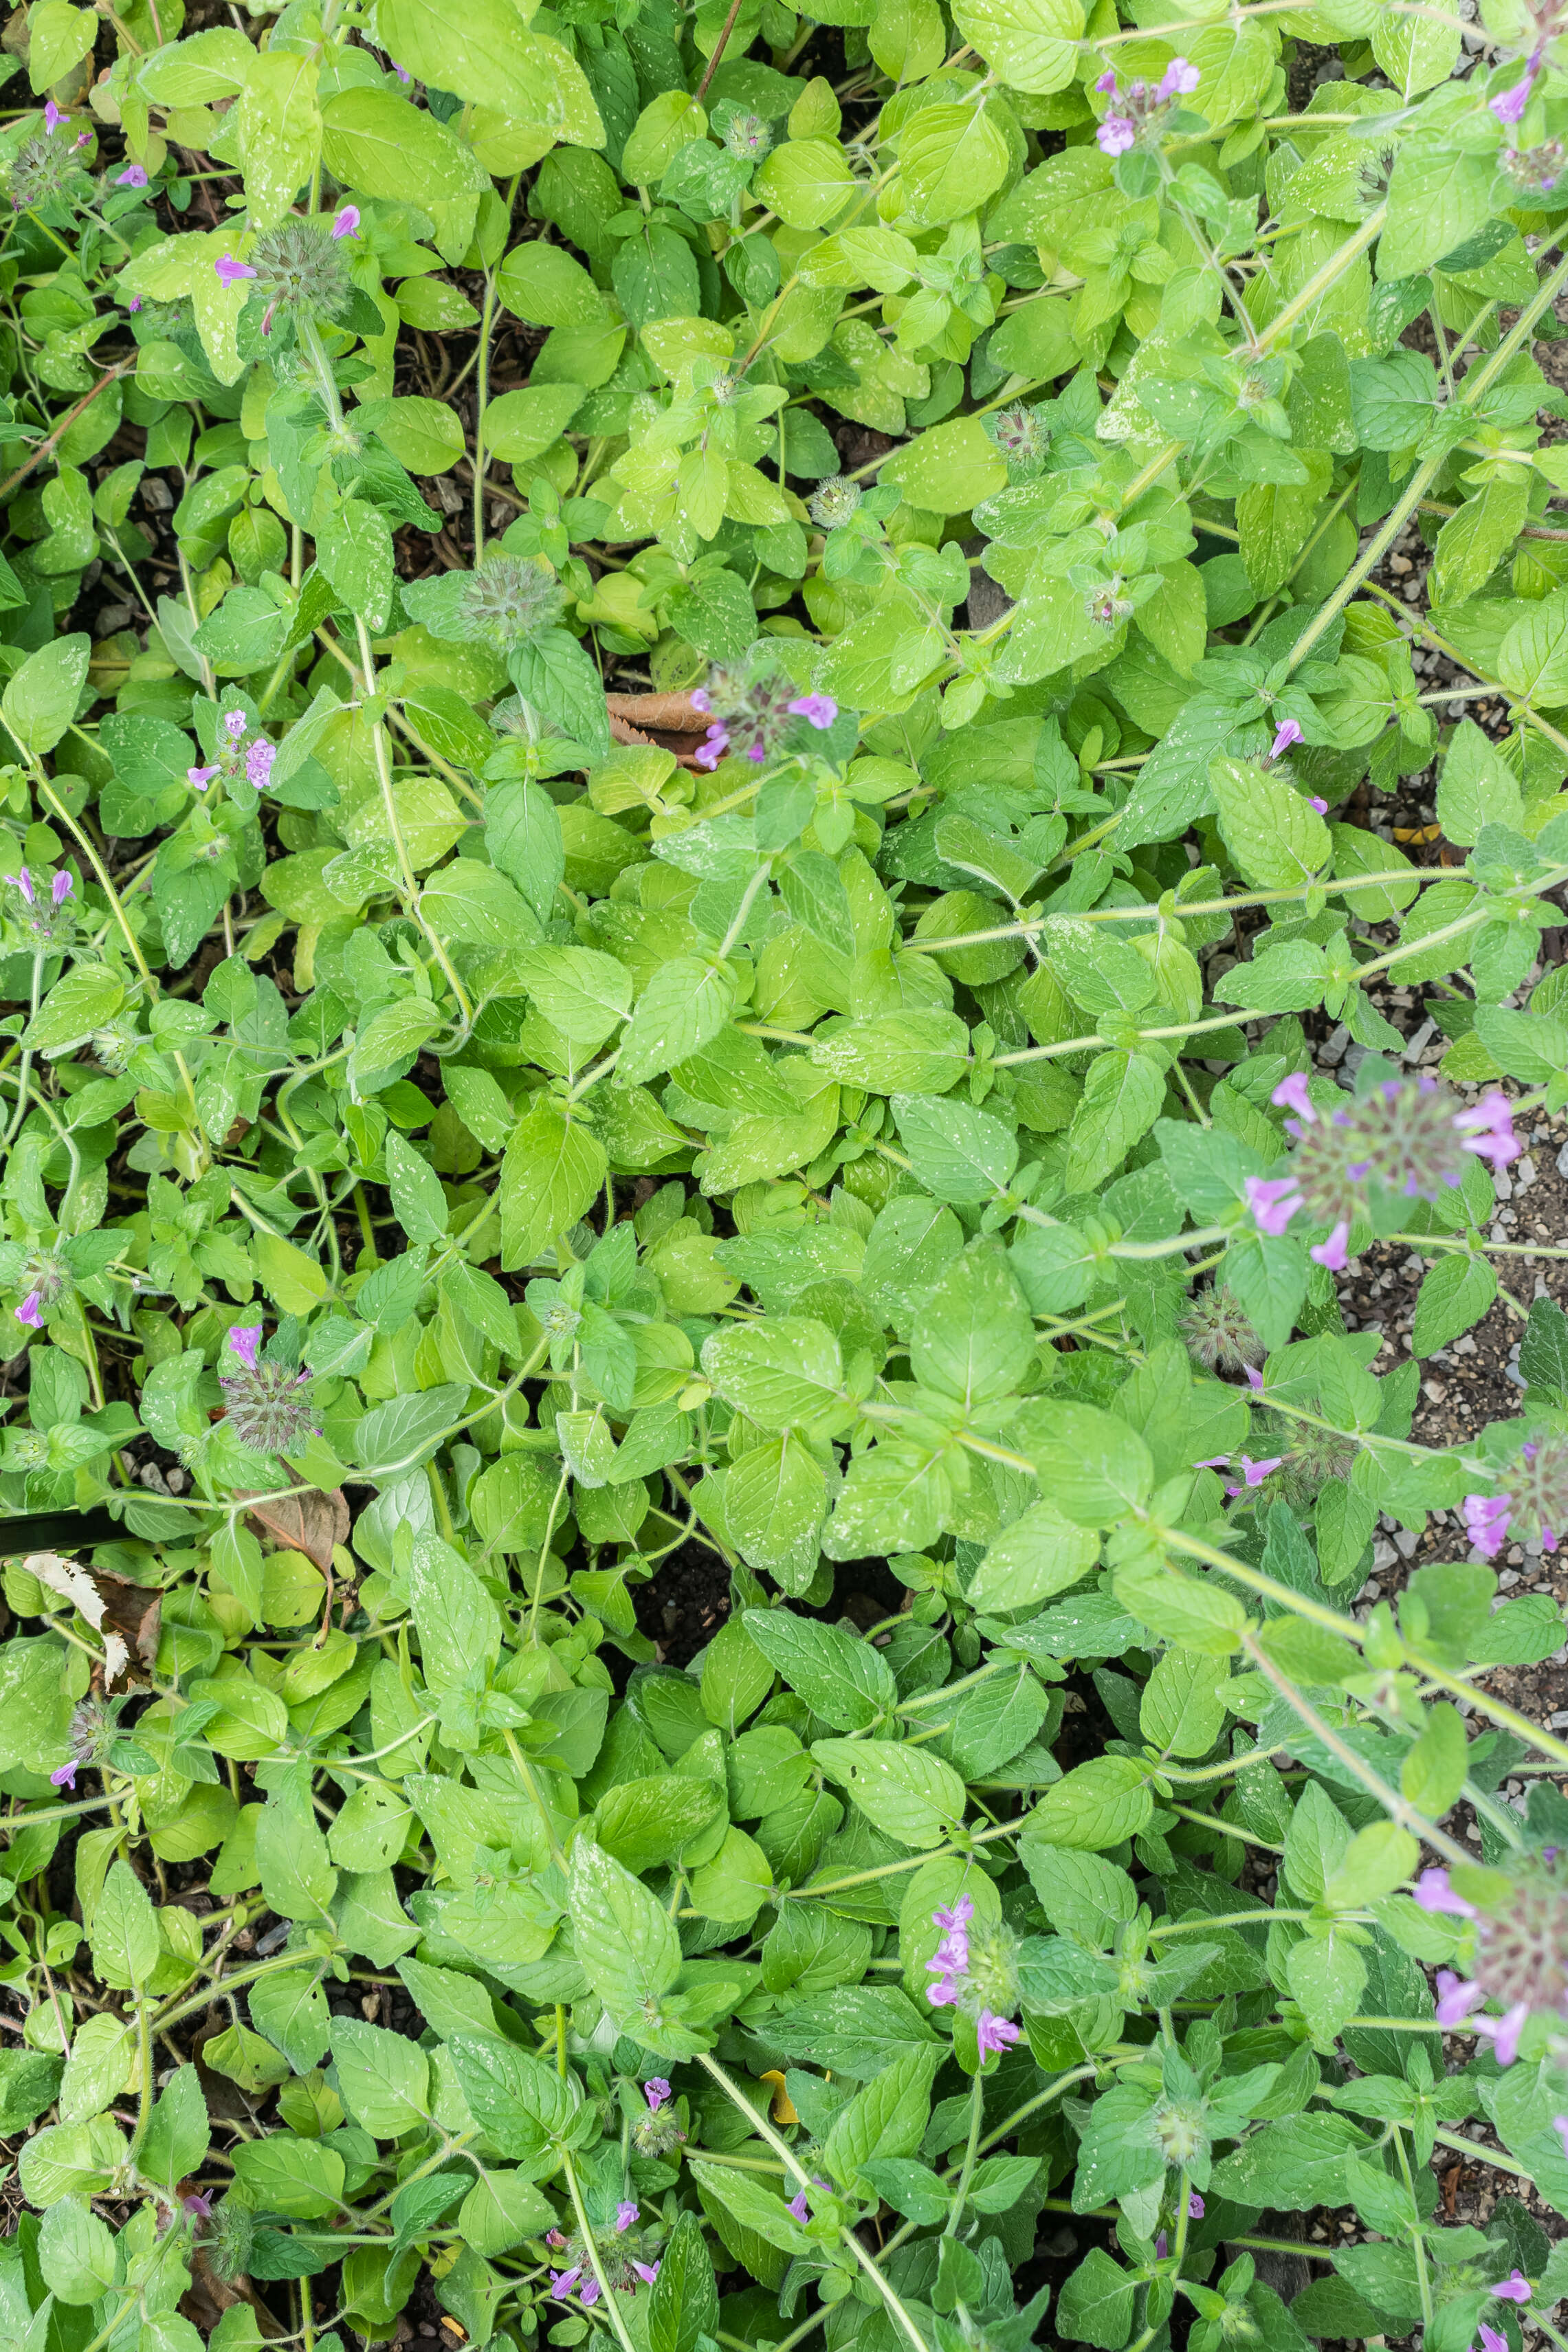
1455 1294
1095 1805
1275 836
783 1373
684 1006
125 1940
520 2105
1095 2306
907 1792
418 1202
40 701
354 549
841 1678
756 2207
82 1000
553 1168
1476 787
77 2253
887 2118
1030 44
1090 1464
377 144
626 1942
303 2179
383 2077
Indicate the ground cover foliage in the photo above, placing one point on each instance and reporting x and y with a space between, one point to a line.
618 970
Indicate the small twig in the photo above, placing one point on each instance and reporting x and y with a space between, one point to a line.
121 367
713 63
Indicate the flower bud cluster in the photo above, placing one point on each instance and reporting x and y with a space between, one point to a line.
269 1408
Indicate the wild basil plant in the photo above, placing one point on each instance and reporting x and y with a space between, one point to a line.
704 712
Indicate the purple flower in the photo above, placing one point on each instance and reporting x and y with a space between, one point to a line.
259 761
646 2272
134 303
199 778
133 176
66 1775
1455 1998
1331 1253
245 1341
1321 807
347 222
1515 2288
28 1313
588 2292
53 119
1115 135
235 724
198 2207
1485 1518
1488 1129
25 884
1273 1200
1433 1893
1162 2247
1290 1094
700 699
819 710
1193 2206
1254 1377
562 2282
401 72
1254 1473
655 2089
1179 81
1560 2126
712 747
60 889
994 2033
84 139
229 271
797 2206
1504 2038
1287 733
1107 81
625 2213
1509 104
1492 2341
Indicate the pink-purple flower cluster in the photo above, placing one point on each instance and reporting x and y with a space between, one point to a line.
1137 107
1532 1506
960 1984
238 752
1508 105
1520 1957
1252 1473
624 2268
749 710
1195 2210
1406 1138
43 912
